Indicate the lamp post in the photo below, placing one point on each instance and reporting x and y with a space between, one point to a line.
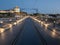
54 20
54 23
46 20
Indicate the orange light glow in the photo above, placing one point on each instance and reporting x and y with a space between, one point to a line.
53 33
2 30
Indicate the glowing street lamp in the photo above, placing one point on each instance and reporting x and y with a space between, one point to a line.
53 33
2 30
46 26
46 20
54 23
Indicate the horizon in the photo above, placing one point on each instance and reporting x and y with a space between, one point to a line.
43 6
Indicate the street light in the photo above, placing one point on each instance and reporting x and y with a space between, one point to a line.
54 23
46 20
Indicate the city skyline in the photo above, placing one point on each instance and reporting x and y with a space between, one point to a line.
43 6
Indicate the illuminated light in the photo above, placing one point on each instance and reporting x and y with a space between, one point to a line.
2 30
45 19
10 25
46 25
10 20
17 9
54 30
54 21
39 21
1 21
20 20
11 11
35 19
15 23
53 33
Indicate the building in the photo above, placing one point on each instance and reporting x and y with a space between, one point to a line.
11 12
15 9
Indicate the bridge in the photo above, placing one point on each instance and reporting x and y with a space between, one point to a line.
29 30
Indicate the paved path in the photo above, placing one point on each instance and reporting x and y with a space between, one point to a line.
29 35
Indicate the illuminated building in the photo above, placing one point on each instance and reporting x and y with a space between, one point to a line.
12 12
16 9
